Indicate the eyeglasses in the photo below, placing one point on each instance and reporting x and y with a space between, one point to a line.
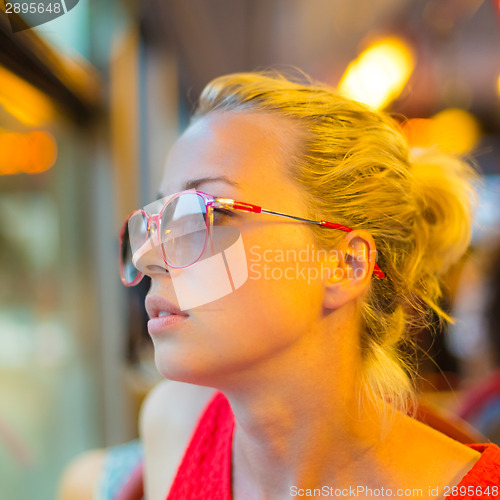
183 227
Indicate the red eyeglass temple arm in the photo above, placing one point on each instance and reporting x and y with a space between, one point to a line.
248 207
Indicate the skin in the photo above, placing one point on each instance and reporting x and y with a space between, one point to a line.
290 374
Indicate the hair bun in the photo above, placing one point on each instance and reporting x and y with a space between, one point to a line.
446 200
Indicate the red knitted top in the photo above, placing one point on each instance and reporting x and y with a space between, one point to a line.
205 470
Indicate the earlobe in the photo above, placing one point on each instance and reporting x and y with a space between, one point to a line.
335 290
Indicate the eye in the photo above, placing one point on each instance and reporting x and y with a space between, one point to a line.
225 216
220 214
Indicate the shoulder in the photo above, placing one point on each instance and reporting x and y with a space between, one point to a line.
430 457
82 475
100 473
171 405
167 420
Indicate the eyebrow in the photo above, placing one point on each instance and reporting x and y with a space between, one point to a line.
195 183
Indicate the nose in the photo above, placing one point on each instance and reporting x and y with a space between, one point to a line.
149 258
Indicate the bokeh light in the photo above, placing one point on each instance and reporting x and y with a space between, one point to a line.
23 101
451 130
30 153
380 73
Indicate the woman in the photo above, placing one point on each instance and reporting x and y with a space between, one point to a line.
312 389
317 388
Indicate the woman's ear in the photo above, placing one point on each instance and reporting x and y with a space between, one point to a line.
353 274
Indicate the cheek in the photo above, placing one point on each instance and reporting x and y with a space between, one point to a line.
280 301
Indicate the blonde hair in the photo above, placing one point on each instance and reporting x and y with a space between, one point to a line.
358 170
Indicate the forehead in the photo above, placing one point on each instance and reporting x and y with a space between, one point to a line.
249 148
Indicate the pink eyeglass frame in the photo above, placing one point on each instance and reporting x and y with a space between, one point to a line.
212 203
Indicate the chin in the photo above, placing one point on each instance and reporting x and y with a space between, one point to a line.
183 369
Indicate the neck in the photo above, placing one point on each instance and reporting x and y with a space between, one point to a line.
306 439
301 422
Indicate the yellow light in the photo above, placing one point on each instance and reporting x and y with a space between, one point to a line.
23 101
451 130
456 130
380 73
31 153
498 81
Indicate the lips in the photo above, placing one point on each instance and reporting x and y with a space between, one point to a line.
161 323
156 304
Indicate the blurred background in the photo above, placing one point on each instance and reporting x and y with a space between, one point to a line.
90 103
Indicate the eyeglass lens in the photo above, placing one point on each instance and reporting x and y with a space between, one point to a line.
183 236
184 230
